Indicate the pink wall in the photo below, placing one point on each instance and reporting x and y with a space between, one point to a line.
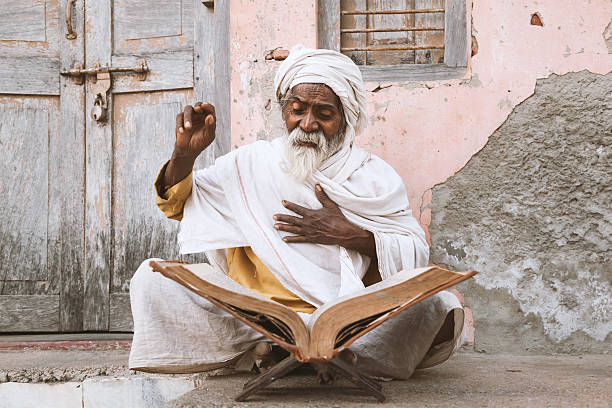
426 130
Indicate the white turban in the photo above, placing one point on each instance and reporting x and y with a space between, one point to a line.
336 70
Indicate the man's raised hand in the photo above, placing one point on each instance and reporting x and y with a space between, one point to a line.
195 130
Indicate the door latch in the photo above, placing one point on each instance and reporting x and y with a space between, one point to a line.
78 72
100 88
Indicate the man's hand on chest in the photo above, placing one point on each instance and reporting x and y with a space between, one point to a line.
326 225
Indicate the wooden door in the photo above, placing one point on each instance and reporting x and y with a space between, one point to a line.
79 213
41 162
185 45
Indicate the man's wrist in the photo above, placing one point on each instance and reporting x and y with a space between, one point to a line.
362 241
183 158
179 167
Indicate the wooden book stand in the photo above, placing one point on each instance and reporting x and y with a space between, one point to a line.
337 366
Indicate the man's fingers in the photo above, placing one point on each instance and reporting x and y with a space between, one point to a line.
298 209
187 116
210 124
179 123
323 197
289 219
205 108
294 229
295 239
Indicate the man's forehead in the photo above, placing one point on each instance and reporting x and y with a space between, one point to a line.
315 94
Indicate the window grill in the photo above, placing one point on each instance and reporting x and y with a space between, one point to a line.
391 32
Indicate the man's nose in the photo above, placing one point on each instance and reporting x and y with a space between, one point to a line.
309 123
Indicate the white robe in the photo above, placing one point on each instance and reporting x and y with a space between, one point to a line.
233 201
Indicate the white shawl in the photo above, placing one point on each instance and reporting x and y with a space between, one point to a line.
233 201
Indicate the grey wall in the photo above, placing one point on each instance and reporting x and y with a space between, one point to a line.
532 212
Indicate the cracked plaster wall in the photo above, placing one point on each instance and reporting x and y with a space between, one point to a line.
532 212
428 131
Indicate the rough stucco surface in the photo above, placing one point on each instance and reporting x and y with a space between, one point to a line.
531 211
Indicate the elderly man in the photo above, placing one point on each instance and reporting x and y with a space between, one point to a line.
302 220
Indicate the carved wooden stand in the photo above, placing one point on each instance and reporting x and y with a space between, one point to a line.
336 366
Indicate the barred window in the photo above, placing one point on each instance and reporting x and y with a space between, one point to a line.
398 39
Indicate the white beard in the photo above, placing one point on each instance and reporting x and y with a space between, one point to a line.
301 161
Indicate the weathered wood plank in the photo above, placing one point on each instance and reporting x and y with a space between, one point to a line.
66 199
29 75
168 70
98 171
121 313
410 72
212 72
41 44
456 34
136 19
143 126
22 22
143 138
173 33
24 156
382 39
354 40
328 29
435 38
27 287
29 313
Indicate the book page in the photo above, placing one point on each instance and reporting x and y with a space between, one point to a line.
274 320
393 280
344 320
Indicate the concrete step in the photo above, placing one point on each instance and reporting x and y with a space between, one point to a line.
98 392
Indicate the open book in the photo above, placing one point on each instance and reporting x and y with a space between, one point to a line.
333 326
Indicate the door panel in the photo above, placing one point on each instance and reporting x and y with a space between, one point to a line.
143 133
138 19
42 143
121 198
23 21
29 47
196 68
169 70
24 160
152 26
